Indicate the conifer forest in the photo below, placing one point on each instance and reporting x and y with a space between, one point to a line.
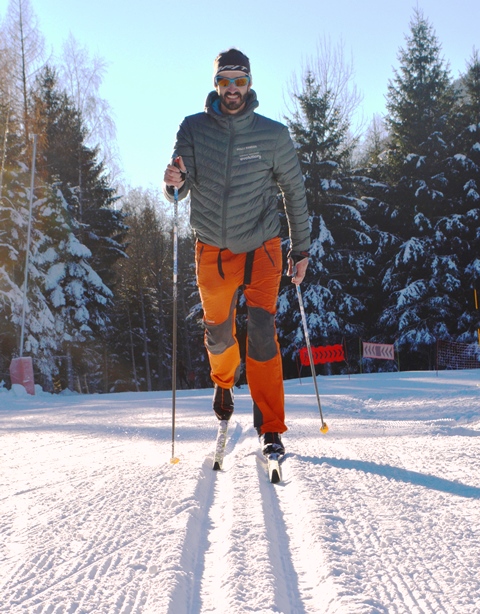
394 214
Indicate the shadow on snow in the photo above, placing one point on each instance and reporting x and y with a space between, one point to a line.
400 475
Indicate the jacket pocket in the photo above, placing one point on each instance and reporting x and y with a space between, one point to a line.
273 250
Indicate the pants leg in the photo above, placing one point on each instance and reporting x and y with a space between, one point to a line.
264 361
219 275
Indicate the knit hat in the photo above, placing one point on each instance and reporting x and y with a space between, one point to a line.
233 59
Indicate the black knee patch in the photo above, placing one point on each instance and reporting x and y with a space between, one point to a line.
219 337
261 334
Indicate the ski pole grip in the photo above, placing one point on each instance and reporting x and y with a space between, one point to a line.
176 162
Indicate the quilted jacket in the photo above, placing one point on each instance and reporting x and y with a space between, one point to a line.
237 165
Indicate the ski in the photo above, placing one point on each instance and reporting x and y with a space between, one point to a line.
220 445
273 466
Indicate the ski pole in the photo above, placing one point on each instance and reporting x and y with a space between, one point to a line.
174 460
324 427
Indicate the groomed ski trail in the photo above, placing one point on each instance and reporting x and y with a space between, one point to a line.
248 560
388 544
379 516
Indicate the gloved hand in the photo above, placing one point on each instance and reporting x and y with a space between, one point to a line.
297 266
175 174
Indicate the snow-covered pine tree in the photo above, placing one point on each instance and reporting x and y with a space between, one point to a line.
459 232
371 180
10 282
10 148
420 96
39 333
340 264
420 282
76 294
64 157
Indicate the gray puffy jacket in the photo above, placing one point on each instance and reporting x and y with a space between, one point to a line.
237 165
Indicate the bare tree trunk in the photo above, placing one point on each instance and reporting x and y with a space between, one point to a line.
70 373
184 331
132 352
26 47
145 342
24 72
4 152
105 368
161 332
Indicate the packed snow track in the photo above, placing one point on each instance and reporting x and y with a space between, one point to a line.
380 515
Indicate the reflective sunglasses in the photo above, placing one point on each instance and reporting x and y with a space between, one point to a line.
225 81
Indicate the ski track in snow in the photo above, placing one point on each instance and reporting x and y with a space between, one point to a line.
381 515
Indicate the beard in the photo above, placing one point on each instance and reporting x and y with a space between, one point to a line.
233 103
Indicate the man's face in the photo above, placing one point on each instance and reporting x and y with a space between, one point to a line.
232 97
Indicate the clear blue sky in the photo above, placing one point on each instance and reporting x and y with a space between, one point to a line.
160 54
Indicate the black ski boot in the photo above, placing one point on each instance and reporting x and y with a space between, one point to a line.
223 402
272 442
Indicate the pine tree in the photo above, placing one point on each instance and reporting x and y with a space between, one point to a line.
420 281
39 339
64 157
421 95
76 294
321 140
340 262
459 232
11 294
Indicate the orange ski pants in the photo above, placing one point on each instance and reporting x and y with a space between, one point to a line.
220 273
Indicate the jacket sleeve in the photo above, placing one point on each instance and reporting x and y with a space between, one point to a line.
183 147
288 175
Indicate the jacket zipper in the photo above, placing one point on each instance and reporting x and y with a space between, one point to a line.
227 181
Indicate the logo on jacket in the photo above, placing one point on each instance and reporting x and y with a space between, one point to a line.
248 153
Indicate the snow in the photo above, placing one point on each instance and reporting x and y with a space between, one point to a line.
413 249
76 248
55 275
380 515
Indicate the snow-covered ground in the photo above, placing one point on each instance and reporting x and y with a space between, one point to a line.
380 515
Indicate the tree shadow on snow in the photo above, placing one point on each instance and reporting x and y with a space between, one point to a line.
400 475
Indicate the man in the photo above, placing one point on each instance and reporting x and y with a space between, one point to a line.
234 162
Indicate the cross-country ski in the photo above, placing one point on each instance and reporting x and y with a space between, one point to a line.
273 466
220 445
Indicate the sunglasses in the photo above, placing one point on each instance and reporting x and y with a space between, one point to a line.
239 81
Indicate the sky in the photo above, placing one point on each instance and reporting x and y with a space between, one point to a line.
160 55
